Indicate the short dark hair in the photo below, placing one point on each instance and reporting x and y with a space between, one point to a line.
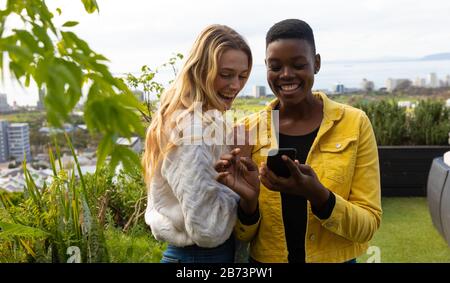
291 29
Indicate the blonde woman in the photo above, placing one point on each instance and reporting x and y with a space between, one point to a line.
187 207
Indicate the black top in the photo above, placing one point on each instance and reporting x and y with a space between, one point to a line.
294 208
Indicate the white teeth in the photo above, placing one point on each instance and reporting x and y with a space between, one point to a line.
289 87
226 96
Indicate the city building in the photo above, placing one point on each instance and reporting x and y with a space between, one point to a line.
19 141
339 88
258 91
40 103
420 82
134 143
433 80
66 128
13 180
4 106
396 84
390 84
367 85
4 149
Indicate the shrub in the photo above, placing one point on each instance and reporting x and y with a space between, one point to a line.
426 124
430 123
52 223
123 195
388 121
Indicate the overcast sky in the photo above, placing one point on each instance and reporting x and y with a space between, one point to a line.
132 33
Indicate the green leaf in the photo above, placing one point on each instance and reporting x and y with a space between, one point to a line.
104 148
83 184
70 24
27 79
56 100
17 70
9 230
41 34
21 53
31 187
73 39
128 158
90 6
2 74
28 39
58 10
52 161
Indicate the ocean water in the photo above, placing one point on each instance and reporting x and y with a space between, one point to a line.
351 74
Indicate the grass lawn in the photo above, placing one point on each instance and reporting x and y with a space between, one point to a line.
136 246
407 233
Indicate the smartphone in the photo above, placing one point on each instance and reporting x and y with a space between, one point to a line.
277 165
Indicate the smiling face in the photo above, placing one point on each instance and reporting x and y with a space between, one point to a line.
291 65
233 72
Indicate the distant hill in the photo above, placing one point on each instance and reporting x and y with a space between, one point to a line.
431 57
437 56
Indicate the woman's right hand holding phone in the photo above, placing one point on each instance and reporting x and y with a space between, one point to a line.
302 181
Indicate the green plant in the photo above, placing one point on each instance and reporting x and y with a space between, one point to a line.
430 123
121 194
14 198
388 121
150 87
34 49
426 124
138 245
54 219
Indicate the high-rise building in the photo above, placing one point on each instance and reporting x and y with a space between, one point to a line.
258 91
40 103
4 106
339 88
433 80
420 82
367 85
391 84
396 84
4 149
19 141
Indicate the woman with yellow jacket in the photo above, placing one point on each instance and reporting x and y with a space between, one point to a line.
329 207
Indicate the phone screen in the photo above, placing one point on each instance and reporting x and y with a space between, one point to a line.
277 165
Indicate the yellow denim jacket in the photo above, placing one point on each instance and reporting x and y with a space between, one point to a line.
345 158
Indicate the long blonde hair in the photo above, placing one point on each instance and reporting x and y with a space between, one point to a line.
194 84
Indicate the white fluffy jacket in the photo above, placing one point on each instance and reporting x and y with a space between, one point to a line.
186 205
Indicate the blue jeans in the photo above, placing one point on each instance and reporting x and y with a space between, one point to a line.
251 260
195 254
